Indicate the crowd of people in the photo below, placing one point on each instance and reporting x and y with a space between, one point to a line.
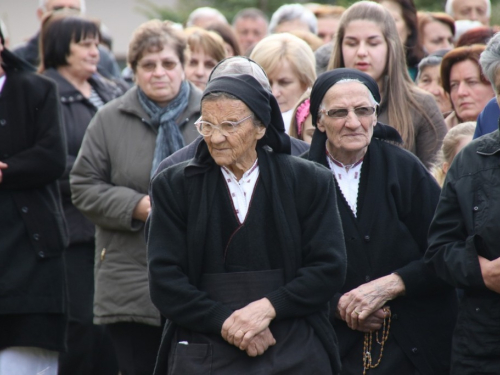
307 193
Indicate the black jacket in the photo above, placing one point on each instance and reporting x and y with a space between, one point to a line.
311 245
33 234
77 111
467 224
396 201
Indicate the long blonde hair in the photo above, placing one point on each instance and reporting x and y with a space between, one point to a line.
448 149
398 89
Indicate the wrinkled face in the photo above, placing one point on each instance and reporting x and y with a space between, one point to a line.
83 57
159 75
327 28
237 148
436 36
286 86
249 31
364 48
474 10
468 93
198 68
430 81
397 13
348 138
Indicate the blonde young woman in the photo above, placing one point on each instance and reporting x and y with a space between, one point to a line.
367 40
454 141
289 63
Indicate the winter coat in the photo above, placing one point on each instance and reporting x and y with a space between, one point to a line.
77 112
396 201
32 230
466 225
110 176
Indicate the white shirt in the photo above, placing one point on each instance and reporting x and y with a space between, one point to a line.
241 191
287 119
347 178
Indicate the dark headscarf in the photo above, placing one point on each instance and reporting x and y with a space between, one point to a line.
326 80
261 102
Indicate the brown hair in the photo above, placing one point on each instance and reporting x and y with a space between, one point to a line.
153 36
227 34
424 18
457 55
398 89
209 42
476 35
328 11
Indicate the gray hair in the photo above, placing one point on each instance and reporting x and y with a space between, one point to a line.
252 13
322 55
490 60
42 4
430 60
449 8
348 80
290 12
205 12
241 65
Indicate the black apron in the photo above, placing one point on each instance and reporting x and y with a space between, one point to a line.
297 351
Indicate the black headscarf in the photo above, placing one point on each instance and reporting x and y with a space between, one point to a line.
11 62
324 82
327 79
261 102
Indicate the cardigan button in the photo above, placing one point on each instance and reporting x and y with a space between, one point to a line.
476 208
25 209
36 236
3 122
395 317
414 350
478 309
367 278
41 254
367 238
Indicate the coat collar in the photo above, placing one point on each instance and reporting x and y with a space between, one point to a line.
489 144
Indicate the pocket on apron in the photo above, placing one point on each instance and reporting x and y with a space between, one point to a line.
192 359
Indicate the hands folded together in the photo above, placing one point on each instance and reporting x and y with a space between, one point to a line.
248 327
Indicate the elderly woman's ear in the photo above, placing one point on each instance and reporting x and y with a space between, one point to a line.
261 132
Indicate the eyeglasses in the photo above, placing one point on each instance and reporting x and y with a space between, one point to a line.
206 128
340 113
61 7
150 66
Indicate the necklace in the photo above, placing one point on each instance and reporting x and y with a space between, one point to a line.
367 344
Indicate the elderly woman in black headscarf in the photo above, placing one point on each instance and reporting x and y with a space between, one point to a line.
243 258
393 315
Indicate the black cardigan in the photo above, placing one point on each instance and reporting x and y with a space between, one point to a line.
396 202
312 245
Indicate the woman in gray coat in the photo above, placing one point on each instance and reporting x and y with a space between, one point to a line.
122 147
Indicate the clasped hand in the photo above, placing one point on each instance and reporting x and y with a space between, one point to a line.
362 307
248 327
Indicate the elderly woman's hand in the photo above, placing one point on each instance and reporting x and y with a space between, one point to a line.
260 343
2 166
357 305
490 270
246 323
141 211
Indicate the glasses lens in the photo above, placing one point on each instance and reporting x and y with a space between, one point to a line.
364 111
337 113
168 65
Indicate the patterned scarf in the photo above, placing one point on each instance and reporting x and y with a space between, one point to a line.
169 137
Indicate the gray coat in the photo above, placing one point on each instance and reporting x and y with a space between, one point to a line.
110 176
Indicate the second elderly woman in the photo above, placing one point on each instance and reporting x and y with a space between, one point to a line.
243 258
121 149
393 315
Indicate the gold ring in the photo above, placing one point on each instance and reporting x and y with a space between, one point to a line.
357 312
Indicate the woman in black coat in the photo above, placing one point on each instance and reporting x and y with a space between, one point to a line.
69 56
32 230
386 202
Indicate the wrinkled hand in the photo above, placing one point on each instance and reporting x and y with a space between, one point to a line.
356 306
246 323
2 166
260 343
141 211
490 269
